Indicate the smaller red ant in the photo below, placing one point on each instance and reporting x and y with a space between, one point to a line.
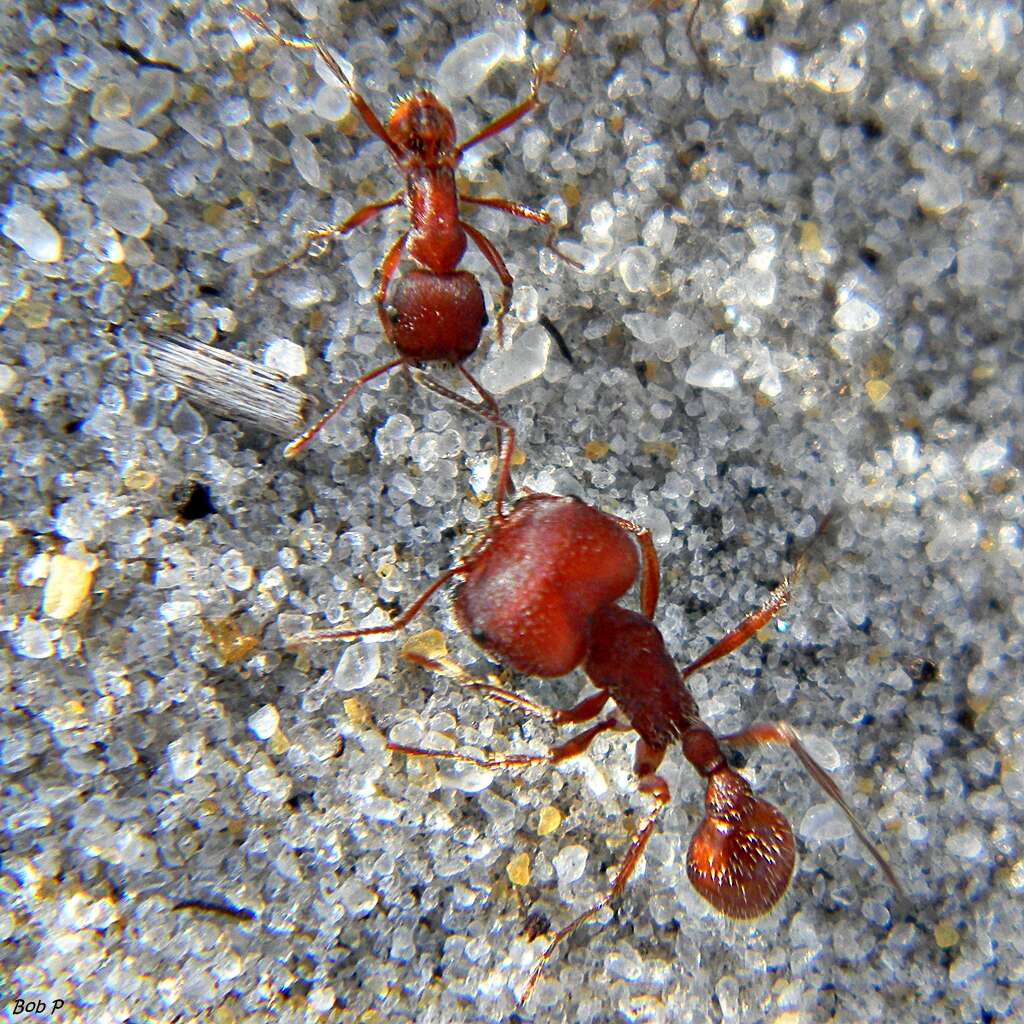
439 311
539 594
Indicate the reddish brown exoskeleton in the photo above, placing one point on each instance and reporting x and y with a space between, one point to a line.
439 310
540 594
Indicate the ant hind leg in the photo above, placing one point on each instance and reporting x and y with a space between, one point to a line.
297 445
781 734
648 759
486 409
491 254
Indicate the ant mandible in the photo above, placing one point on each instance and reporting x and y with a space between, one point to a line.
439 309
539 594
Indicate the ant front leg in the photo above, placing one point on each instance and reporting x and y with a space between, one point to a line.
321 636
489 688
328 234
541 73
650 578
587 709
648 760
756 620
572 747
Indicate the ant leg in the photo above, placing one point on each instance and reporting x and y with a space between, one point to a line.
370 119
490 689
781 734
484 244
386 270
327 235
541 73
572 747
650 578
508 206
587 709
490 763
506 439
320 636
487 409
777 600
303 439
646 764
527 213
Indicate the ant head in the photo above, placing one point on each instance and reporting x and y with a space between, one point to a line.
741 856
422 124
539 578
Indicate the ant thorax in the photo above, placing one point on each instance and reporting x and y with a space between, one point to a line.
627 658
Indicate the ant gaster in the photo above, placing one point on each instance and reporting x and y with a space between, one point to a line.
439 310
539 594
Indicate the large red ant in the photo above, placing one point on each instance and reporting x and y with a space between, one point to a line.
539 594
439 310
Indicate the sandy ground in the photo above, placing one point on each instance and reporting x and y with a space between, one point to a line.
801 292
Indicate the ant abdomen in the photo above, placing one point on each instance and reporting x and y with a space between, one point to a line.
741 857
437 317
